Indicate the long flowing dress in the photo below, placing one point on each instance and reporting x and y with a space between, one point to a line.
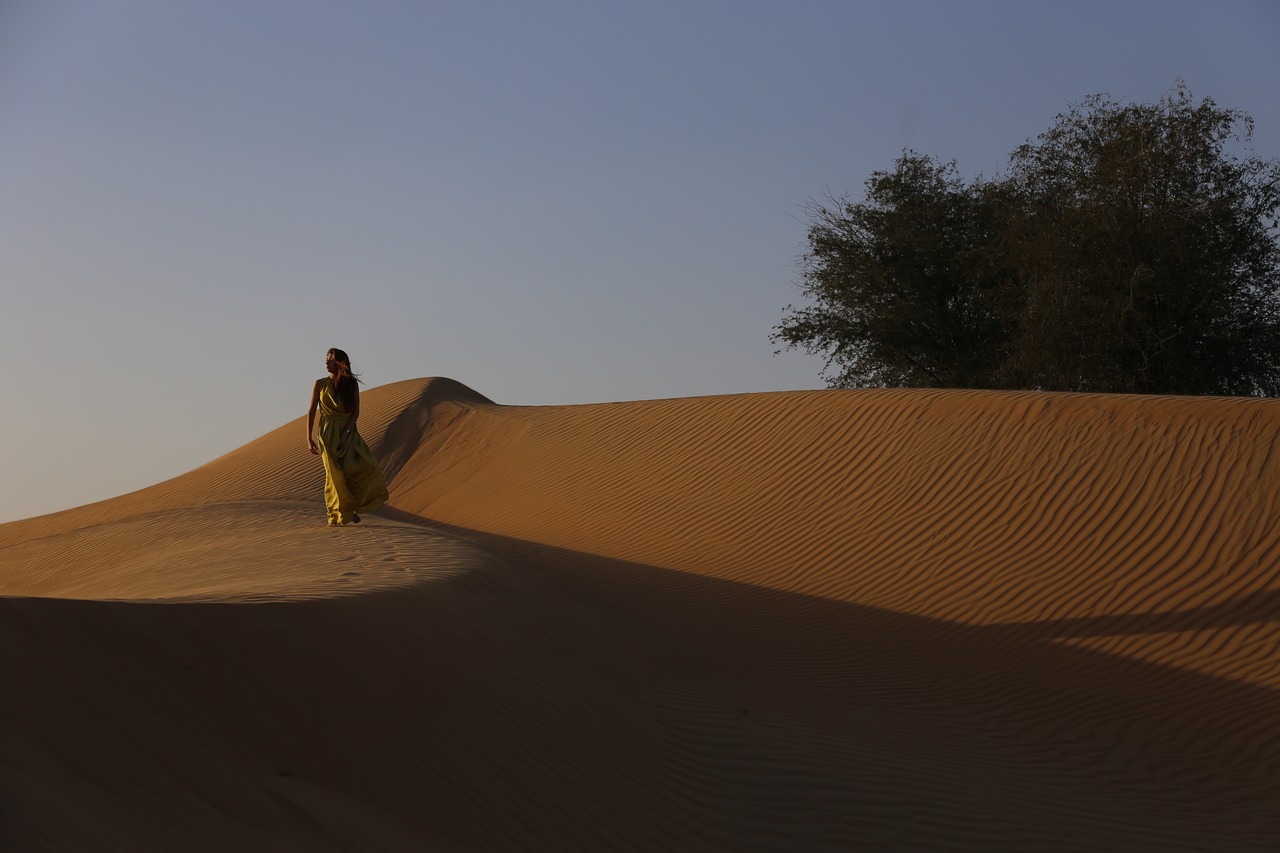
353 480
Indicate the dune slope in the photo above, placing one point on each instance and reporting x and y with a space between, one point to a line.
792 621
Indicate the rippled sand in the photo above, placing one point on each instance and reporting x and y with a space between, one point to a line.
792 621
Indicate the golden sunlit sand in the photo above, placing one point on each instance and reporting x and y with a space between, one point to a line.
890 619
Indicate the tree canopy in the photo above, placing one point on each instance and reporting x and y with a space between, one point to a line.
1129 248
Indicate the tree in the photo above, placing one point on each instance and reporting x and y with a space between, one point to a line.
901 296
1127 250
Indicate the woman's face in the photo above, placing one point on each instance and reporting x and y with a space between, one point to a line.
330 363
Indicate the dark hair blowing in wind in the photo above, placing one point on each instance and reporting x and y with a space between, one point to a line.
346 381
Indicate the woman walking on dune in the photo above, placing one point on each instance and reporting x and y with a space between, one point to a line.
353 482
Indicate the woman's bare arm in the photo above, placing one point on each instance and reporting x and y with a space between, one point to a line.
311 417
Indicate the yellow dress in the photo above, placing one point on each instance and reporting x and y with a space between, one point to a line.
353 481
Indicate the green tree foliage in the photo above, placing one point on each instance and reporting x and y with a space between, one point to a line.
898 281
1127 249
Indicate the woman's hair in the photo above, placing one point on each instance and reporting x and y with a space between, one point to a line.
347 381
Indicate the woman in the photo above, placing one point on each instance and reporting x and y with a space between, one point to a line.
353 481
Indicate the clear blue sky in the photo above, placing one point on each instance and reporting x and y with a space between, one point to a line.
552 202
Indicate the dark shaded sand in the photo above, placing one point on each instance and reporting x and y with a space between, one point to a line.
883 620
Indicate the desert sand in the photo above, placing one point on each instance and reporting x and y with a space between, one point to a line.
830 620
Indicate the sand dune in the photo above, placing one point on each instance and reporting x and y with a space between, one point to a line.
794 621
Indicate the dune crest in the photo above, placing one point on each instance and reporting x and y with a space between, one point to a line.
836 620
974 507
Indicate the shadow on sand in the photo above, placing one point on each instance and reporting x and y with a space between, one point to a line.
562 700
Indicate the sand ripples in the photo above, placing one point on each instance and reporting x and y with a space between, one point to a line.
794 621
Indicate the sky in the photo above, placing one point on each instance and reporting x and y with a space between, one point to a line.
551 202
